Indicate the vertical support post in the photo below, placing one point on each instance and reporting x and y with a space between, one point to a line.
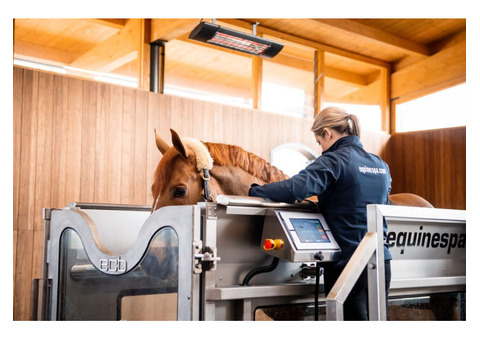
377 305
318 81
244 311
143 54
157 66
349 276
385 79
257 79
334 311
257 75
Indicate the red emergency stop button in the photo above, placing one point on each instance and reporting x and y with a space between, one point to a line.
270 244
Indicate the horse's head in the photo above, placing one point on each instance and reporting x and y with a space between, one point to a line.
183 174
179 177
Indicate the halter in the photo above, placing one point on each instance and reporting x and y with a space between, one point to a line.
204 165
206 197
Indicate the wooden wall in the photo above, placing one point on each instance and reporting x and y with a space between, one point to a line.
79 140
431 164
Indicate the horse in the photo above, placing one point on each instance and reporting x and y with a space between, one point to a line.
192 171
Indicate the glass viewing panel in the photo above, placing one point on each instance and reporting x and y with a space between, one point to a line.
148 292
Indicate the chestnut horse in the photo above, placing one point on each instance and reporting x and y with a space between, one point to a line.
192 169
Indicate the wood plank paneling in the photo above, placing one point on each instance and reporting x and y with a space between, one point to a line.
114 132
77 140
431 164
128 146
28 142
44 146
74 140
17 136
141 140
89 142
101 143
60 135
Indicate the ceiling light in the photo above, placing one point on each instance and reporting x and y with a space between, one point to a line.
224 37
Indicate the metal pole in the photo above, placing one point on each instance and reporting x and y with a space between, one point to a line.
44 292
349 276
376 269
157 66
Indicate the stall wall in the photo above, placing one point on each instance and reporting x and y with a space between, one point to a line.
431 164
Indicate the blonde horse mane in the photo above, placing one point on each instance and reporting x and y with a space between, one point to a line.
224 154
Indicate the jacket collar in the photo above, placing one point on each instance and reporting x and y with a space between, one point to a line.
343 142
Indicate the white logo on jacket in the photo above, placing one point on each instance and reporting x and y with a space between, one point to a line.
365 169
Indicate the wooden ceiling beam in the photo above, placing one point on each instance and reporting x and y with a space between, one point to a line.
330 72
355 79
113 23
169 29
444 69
29 51
113 52
306 42
378 36
346 77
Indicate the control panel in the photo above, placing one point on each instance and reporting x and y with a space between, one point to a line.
299 237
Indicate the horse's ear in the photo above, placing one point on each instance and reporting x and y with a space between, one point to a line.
177 144
161 145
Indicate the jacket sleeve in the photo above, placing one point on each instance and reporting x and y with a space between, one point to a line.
312 180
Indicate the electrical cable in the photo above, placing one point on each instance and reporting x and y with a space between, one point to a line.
259 270
317 283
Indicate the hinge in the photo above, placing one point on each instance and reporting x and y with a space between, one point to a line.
47 214
204 259
211 211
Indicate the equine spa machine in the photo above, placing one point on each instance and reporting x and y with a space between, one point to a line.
242 258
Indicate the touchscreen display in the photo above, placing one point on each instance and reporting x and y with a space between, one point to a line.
309 230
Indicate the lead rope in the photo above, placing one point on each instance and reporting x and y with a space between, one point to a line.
206 197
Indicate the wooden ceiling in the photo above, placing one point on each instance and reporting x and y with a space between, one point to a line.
355 50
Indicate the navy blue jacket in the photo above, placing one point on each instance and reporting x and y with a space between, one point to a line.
345 179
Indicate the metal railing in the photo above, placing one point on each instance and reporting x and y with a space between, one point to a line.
366 254
369 253
449 223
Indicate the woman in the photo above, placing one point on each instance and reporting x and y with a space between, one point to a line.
345 178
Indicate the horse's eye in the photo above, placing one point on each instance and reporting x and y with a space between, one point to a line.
180 192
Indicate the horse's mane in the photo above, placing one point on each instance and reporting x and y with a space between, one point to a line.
222 154
225 154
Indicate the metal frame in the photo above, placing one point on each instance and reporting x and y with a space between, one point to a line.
213 236
233 228
370 251
184 220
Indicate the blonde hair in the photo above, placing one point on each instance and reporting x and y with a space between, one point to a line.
337 119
